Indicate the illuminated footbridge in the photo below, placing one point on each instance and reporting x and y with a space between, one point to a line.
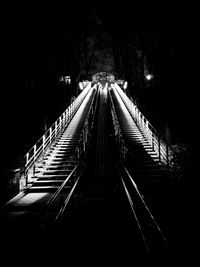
99 180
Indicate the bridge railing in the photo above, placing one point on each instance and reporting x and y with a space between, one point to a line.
166 154
118 133
54 131
81 148
79 154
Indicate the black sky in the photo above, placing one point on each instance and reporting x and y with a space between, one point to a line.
33 35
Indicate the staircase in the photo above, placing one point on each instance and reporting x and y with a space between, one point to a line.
55 173
106 168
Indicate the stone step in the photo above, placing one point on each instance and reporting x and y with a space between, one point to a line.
48 182
52 188
47 172
51 176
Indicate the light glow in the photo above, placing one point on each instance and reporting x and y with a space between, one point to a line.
125 85
81 86
65 79
149 77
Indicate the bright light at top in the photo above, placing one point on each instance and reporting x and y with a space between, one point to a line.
80 85
65 79
149 77
83 84
125 85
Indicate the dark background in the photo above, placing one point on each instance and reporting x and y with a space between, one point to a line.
41 43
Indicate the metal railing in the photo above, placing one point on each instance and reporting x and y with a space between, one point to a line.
151 233
79 167
86 131
166 154
79 154
52 134
58 196
118 133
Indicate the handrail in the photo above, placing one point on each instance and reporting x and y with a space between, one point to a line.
135 216
53 198
86 131
117 128
141 198
63 208
55 195
166 154
54 131
153 224
80 149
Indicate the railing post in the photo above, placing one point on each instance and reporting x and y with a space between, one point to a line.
142 122
70 107
25 169
147 129
152 144
50 134
34 156
65 116
27 157
43 142
56 129
60 123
